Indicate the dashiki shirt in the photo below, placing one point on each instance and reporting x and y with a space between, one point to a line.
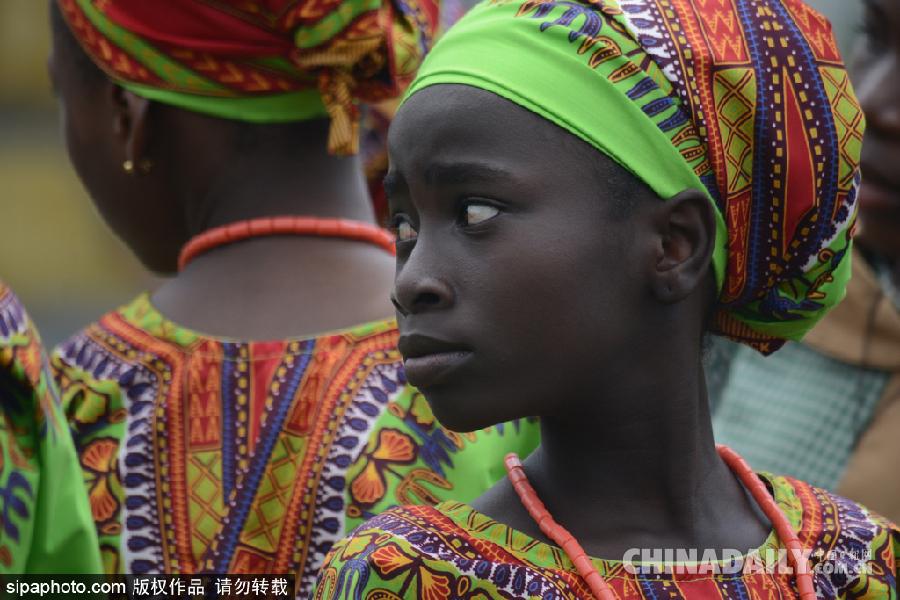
203 455
45 521
452 551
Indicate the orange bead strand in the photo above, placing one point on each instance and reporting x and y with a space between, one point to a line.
595 581
783 528
556 532
241 230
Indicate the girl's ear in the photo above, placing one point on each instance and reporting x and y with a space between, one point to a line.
131 122
686 228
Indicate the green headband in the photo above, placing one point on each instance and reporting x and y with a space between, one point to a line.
279 108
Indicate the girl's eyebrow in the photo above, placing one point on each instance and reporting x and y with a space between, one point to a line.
448 174
460 172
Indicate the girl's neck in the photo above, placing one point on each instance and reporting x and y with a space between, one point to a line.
314 186
623 481
280 287
276 287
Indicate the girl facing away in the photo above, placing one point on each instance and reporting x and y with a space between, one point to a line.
581 191
252 411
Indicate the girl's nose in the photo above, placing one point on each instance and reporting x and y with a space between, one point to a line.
418 287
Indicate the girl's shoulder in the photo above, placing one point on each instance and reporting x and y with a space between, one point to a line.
451 550
447 551
823 518
848 546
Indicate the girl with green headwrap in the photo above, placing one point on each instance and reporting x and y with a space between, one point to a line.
581 191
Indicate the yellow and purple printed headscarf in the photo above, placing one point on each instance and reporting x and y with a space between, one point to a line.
264 61
746 99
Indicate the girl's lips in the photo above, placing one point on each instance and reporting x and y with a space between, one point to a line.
428 369
876 197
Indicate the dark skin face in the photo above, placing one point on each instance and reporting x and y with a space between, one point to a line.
518 294
479 215
208 172
876 71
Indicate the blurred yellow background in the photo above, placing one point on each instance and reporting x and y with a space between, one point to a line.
55 252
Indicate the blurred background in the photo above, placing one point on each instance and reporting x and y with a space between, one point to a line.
55 252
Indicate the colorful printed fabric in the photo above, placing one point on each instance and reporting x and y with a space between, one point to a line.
260 60
203 455
748 100
45 522
452 551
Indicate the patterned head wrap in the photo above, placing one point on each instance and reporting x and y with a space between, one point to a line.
746 99
263 61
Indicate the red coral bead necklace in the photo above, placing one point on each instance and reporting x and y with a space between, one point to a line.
595 581
342 228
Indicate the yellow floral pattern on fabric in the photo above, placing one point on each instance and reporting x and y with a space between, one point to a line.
101 478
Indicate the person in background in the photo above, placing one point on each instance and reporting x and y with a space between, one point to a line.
46 524
253 410
582 191
827 409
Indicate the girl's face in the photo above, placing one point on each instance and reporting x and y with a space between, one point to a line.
876 71
515 290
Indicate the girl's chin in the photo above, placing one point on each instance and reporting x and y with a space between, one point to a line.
458 416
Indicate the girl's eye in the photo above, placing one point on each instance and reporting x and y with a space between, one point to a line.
405 231
478 213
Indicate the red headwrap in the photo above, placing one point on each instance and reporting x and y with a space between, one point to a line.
204 51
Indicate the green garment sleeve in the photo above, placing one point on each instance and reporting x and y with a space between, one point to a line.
46 525
65 539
